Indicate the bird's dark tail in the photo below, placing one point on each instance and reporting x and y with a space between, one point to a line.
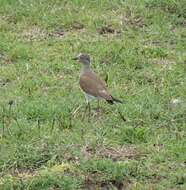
114 100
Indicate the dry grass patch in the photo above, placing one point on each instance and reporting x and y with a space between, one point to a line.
23 173
119 153
5 60
133 21
34 33
162 61
91 185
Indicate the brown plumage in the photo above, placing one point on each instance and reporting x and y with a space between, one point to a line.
90 82
92 85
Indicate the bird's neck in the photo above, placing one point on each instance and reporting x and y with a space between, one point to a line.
85 68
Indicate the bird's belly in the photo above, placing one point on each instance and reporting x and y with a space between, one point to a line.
90 97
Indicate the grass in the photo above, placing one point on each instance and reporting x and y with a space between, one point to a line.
139 47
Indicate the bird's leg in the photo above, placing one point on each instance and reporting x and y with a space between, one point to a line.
89 109
84 112
86 107
98 107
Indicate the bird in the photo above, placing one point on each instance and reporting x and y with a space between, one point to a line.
92 86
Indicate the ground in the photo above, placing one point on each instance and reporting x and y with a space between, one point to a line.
139 48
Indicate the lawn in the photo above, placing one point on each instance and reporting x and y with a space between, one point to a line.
139 48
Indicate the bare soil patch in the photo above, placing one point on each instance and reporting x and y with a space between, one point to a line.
106 30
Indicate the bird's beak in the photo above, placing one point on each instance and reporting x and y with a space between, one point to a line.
75 58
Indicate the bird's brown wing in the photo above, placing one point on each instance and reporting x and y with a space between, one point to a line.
92 85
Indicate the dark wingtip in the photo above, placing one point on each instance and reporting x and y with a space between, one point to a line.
116 100
110 101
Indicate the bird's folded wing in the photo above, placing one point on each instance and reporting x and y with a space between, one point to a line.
92 85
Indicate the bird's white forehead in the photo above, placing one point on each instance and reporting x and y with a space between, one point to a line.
79 54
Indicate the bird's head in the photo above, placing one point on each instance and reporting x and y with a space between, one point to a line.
83 58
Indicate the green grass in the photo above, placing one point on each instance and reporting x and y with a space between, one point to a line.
139 46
